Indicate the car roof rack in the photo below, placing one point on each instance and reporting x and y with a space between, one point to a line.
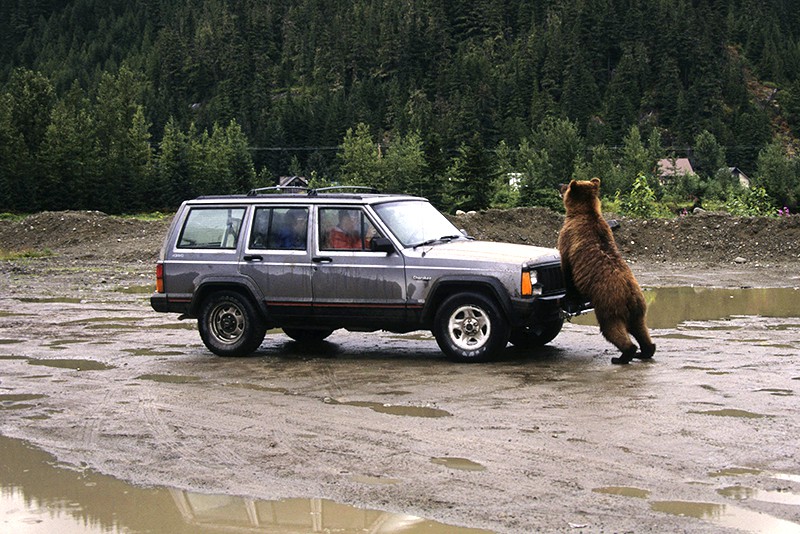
293 189
338 188
279 189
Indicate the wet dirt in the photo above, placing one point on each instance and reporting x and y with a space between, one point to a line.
156 433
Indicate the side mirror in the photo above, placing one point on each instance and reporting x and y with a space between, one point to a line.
381 244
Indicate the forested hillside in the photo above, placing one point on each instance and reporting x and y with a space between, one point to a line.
125 105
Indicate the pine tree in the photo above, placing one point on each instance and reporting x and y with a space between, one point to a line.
359 159
174 169
709 156
404 165
471 175
71 156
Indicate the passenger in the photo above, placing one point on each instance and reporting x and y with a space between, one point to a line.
292 234
347 234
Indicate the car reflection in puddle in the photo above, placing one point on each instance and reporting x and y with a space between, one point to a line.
38 497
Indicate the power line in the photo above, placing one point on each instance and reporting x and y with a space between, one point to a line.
292 148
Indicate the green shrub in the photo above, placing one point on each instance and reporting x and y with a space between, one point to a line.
641 201
547 197
754 202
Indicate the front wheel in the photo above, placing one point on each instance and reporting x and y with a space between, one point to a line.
536 336
469 327
230 325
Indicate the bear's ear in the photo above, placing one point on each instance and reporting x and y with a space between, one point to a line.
596 182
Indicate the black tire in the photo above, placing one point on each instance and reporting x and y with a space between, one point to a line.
535 336
470 328
307 335
230 325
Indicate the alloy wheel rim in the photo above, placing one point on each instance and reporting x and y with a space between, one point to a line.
469 327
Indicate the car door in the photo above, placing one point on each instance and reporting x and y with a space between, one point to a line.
350 283
278 260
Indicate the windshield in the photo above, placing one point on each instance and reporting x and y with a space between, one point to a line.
415 222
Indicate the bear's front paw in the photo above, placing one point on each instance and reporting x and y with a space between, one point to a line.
621 360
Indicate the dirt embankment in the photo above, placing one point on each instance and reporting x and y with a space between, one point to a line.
760 251
713 238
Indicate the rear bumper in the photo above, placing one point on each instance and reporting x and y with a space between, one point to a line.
161 303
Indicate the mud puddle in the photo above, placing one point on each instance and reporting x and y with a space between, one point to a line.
691 442
668 307
37 496
728 516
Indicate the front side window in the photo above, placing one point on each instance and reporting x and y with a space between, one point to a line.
211 228
345 229
280 229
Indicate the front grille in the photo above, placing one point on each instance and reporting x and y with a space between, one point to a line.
550 278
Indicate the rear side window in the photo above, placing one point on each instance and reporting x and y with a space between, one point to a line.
279 228
215 228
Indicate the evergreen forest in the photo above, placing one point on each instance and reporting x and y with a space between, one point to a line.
135 105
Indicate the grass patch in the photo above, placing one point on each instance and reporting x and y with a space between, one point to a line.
151 216
25 254
6 216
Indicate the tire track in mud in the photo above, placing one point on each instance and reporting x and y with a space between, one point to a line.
186 430
90 430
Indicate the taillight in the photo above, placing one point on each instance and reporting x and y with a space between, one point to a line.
159 278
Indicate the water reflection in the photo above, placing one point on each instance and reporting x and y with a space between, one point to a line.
36 497
667 307
728 516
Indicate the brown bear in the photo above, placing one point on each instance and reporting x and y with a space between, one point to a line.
593 268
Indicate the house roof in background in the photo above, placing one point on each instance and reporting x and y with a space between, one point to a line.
680 166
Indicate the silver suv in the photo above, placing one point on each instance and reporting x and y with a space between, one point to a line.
310 261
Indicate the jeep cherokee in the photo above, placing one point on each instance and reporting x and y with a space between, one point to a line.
310 261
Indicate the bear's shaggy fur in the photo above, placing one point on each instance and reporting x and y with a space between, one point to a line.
593 268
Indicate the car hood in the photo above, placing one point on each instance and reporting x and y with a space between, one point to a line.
488 251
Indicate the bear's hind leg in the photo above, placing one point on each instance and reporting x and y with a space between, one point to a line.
617 333
646 345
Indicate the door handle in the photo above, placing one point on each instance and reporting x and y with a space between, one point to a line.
322 259
253 257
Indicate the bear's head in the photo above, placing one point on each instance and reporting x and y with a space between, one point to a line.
582 196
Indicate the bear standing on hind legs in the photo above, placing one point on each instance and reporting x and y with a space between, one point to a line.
593 268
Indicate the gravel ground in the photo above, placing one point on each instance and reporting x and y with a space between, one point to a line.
559 440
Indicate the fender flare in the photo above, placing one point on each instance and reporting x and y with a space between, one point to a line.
449 285
204 286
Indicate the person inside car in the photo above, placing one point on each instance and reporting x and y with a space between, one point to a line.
346 235
293 231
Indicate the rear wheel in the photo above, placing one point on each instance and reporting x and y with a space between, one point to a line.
535 336
469 327
307 335
230 325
